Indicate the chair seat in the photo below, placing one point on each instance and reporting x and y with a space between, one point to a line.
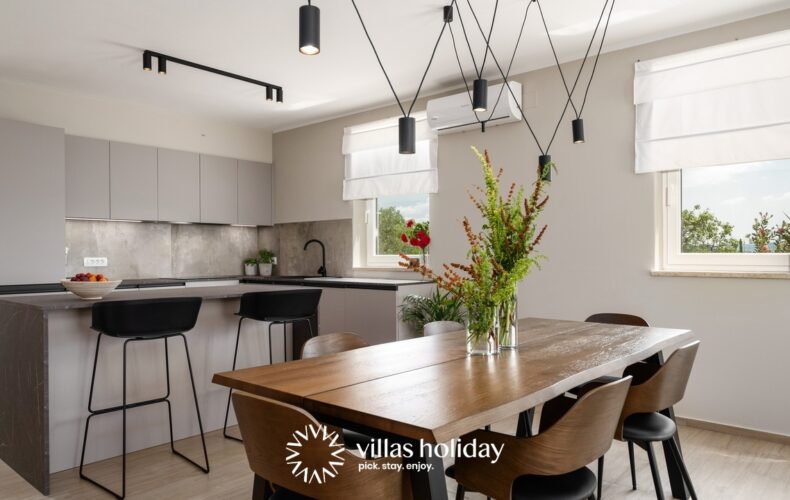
648 427
576 485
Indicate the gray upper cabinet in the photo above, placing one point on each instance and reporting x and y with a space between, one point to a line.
179 186
87 177
32 203
218 190
255 193
133 180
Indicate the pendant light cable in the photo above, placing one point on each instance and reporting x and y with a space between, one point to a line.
488 39
466 37
595 64
430 61
461 69
556 59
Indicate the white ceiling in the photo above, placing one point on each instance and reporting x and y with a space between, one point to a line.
94 47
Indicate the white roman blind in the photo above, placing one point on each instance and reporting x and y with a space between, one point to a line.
374 168
720 105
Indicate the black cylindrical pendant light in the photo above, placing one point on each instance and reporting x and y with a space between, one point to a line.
146 61
448 13
309 29
269 94
578 130
480 95
407 135
545 173
162 65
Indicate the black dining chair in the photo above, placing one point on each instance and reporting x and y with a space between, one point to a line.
277 307
138 321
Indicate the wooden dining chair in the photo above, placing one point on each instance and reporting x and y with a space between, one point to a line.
331 343
438 327
656 388
552 464
616 319
290 449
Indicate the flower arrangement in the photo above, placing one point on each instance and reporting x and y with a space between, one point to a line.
500 255
416 235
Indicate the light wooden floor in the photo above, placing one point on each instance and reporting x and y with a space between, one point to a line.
722 467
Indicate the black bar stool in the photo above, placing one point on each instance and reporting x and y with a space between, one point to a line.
276 307
139 320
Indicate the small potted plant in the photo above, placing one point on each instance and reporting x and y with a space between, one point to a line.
417 310
250 267
265 261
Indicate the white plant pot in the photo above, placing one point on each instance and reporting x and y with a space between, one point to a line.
265 269
250 269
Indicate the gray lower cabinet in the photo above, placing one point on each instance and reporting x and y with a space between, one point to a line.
218 190
87 177
179 186
255 193
133 181
332 311
32 203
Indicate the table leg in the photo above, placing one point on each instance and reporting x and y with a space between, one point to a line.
428 484
260 489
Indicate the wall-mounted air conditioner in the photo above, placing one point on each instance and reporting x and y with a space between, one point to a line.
454 113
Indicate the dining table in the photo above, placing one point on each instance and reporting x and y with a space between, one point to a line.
429 390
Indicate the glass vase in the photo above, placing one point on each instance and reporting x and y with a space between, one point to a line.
507 317
481 331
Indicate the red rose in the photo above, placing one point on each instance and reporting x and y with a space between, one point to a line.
404 238
423 240
410 223
414 242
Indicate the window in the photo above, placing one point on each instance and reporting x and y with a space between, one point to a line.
386 222
734 217
388 189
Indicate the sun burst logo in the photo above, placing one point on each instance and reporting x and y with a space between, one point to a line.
321 465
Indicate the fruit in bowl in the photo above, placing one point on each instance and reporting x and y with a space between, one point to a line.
89 286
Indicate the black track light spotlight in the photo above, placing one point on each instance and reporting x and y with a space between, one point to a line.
279 95
544 169
269 94
578 131
146 61
480 95
407 135
162 65
309 29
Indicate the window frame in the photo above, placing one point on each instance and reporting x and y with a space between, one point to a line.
669 200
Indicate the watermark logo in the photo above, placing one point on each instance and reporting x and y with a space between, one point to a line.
324 458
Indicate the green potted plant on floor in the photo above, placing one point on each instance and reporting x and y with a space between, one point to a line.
250 266
417 310
265 262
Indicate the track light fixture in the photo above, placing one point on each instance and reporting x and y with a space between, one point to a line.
578 130
480 95
162 68
309 29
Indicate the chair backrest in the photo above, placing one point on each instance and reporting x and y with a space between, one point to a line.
579 437
664 388
146 318
278 436
280 304
331 343
617 319
437 327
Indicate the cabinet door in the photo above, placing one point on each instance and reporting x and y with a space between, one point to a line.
87 177
218 190
133 179
332 311
32 203
255 193
179 186
371 314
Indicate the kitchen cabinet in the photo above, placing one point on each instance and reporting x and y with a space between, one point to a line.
87 177
133 182
255 193
178 186
218 190
32 203
332 311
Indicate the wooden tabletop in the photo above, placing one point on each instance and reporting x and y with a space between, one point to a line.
428 388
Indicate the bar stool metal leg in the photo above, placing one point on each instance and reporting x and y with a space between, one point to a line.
230 391
197 411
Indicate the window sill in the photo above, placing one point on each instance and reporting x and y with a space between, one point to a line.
775 275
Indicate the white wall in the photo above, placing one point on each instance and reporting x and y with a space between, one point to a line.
600 241
130 122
